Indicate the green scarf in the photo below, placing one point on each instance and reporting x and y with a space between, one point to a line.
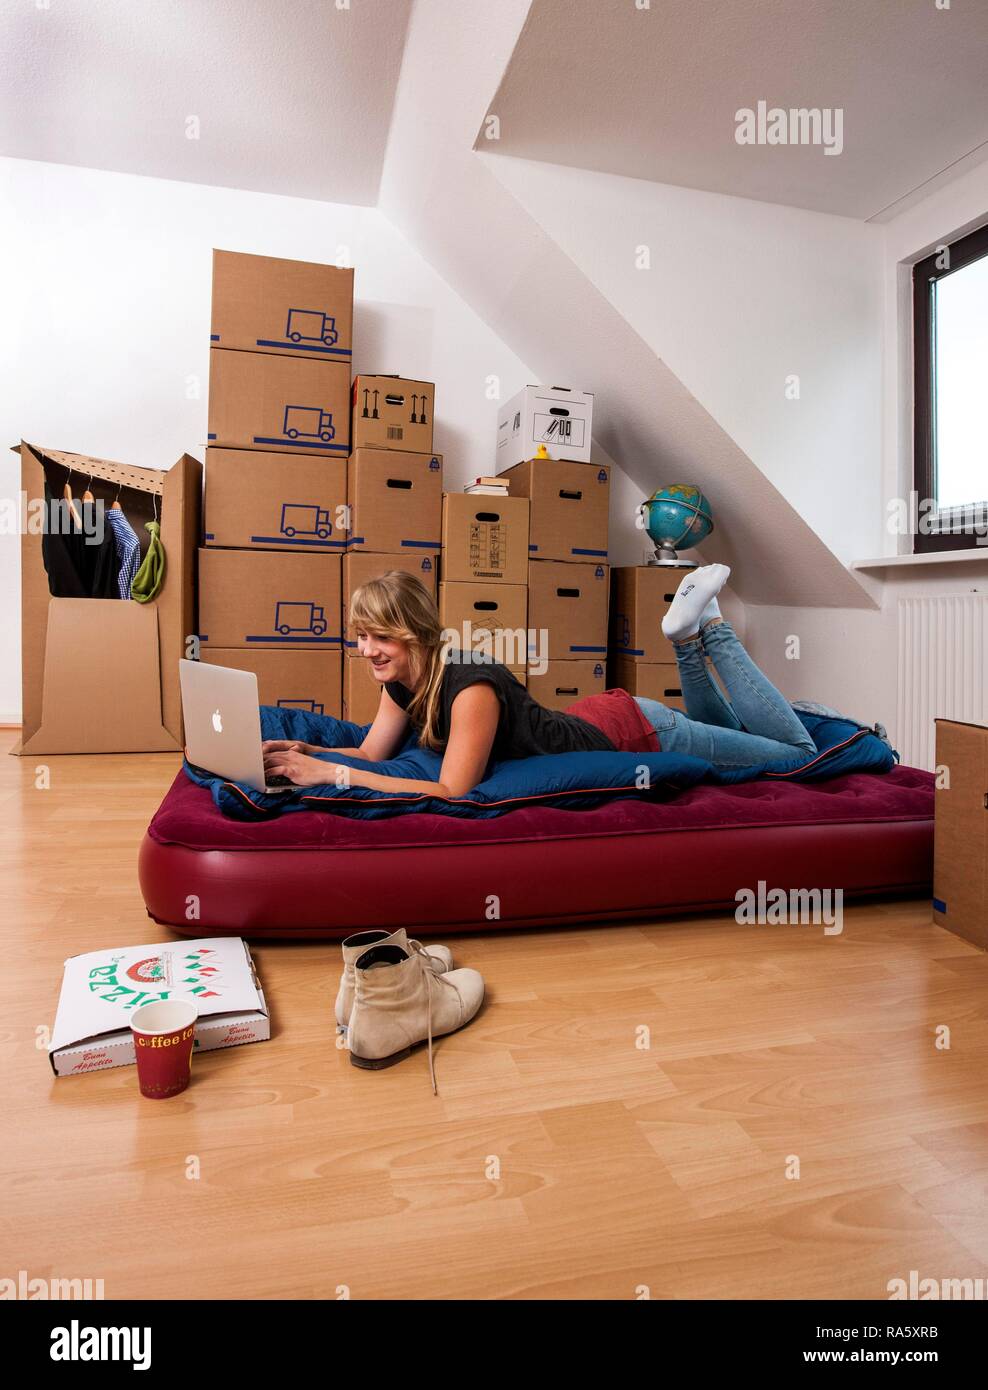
151 575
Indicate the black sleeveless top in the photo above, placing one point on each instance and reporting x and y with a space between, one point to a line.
525 728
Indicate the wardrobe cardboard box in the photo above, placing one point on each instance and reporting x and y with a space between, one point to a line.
960 831
491 618
292 308
565 681
569 604
655 681
266 598
485 538
555 416
101 675
360 566
569 508
267 501
640 596
259 400
290 679
395 500
392 412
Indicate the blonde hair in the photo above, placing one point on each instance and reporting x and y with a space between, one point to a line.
398 606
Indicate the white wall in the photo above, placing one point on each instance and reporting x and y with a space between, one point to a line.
105 287
739 296
850 658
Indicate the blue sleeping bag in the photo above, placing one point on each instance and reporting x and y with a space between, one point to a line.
572 780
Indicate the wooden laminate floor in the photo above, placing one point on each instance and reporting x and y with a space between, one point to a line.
562 1160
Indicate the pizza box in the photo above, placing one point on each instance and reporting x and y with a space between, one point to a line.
101 990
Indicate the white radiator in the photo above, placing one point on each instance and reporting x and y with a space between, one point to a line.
943 670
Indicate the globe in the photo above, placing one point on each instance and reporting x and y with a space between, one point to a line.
677 517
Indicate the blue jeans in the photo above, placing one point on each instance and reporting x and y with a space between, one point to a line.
758 725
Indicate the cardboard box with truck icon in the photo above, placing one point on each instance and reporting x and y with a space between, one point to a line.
268 501
256 598
290 679
258 400
281 307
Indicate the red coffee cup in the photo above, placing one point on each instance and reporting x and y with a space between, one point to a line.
164 1036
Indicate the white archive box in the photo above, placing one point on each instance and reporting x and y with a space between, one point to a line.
556 416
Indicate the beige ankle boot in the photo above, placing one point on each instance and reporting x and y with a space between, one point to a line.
399 1002
439 958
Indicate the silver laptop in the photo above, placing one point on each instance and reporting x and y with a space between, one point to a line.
223 723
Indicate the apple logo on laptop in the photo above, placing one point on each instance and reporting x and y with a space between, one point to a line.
217 722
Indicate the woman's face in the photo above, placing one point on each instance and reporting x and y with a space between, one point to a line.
389 658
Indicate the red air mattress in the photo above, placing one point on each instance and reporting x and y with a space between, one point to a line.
311 874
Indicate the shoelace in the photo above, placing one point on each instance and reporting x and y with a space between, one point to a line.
430 978
420 949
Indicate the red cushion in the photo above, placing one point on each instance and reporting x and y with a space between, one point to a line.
314 874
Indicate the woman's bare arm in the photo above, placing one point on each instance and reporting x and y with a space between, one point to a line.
383 739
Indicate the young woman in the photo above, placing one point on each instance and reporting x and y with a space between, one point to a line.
473 710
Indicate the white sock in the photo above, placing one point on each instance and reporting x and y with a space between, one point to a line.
698 589
711 611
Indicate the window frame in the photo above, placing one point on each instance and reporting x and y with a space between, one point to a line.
973 246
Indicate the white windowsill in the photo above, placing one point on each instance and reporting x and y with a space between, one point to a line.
932 557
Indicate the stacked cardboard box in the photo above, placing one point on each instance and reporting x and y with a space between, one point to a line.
276 490
641 658
567 575
960 831
394 488
483 597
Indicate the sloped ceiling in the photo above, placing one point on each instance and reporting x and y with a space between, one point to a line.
254 94
480 239
652 92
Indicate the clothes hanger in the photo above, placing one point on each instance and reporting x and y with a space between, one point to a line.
115 506
73 505
87 496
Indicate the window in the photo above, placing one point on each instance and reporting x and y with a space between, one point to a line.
950 350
